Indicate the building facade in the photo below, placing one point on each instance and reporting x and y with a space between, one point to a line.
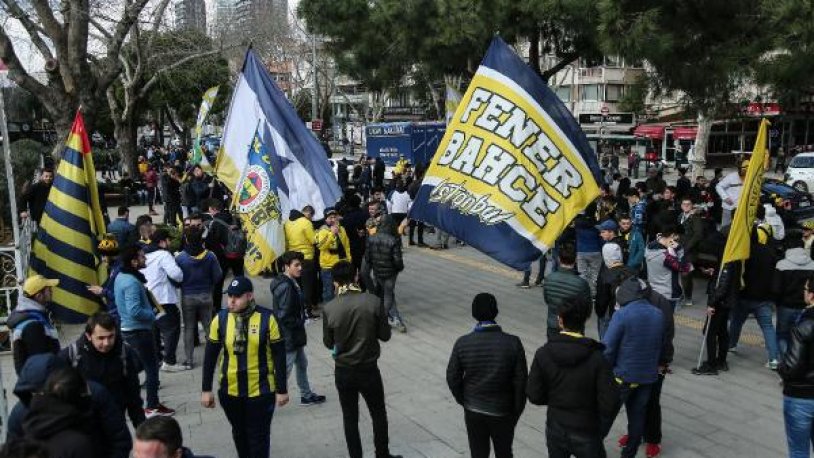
190 14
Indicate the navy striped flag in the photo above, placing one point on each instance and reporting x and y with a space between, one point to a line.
65 247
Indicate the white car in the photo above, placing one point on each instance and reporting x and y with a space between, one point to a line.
800 172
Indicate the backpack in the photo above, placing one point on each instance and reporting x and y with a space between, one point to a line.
74 356
236 243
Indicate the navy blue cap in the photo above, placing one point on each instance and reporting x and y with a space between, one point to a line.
608 225
240 286
330 211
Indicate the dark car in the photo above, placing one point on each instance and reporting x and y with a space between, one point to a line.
793 205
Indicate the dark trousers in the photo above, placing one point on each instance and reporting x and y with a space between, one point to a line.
251 423
718 336
308 281
150 198
168 331
652 424
482 429
143 343
172 213
417 225
564 442
367 381
635 401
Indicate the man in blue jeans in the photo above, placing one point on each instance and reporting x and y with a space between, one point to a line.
796 369
633 346
756 299
137 320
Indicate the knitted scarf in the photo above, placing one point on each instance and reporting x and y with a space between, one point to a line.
242 328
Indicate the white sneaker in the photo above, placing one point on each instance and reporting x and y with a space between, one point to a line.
772 364
173 367
733 349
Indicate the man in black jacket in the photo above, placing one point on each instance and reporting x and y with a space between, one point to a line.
487 375
383 257
570 375
797 370
32 330
101 356
36 196
287 301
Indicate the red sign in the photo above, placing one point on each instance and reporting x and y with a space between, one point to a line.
605 110
316 125
685 133
654 132
763 109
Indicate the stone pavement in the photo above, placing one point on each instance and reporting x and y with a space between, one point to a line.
737 414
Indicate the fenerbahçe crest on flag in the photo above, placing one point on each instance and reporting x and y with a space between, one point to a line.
513 168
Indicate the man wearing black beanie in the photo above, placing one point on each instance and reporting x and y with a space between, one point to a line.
493 393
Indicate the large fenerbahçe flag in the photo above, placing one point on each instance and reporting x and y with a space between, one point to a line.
513 168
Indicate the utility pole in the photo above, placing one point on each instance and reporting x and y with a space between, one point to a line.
315 92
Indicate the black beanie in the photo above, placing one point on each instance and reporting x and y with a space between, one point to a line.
484 307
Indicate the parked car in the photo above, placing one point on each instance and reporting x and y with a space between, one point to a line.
800 172
798 205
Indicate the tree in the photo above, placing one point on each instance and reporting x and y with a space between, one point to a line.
702 50
148 56
67 35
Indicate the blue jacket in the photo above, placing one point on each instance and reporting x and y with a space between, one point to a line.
135 309
124 231
635 249
634 340
588 240
201 273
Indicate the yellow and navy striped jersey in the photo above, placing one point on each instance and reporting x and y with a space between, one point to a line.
251 373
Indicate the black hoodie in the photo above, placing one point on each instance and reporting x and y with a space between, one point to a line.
63 428
570 375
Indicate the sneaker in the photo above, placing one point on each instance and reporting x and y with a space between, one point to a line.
705 369
400 327
523 285
160 411
422 245
772 364
312 399
733 349
623 440
391 321
187 366
688 303
173 367
652 450
722 366
538 284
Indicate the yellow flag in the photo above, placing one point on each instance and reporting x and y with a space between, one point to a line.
737 244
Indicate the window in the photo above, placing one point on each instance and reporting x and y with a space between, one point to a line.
613 61
564 93
589 92
614 92
802 162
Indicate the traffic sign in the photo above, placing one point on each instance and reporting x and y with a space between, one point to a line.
316 125
605 110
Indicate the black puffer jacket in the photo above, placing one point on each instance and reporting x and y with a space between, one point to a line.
383 253
790 278
64 429
606 284
570 376
487 372
288 308
797 364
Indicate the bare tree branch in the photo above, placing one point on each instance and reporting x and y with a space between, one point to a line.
152 81
17 72
101 29
35 31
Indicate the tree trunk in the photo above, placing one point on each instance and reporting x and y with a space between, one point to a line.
534 51
125 132
701 142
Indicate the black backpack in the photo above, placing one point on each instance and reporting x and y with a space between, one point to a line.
236 242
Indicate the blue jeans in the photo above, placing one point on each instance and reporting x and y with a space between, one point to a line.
762 311
327 285
786 319
251 423
298 357
143 343
798 414
635 401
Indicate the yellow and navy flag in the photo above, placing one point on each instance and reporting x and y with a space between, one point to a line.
65 247
258 204
206 104
514 167
738 242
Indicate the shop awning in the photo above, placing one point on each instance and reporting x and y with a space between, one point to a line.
652 131
685 133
